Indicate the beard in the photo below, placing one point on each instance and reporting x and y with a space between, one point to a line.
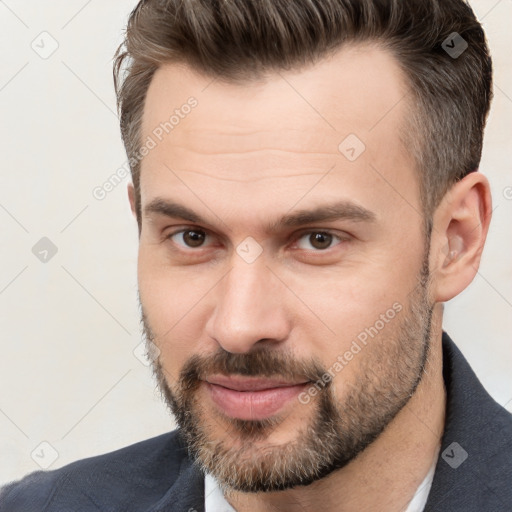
331 432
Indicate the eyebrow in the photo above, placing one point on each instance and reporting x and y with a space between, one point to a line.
171 209
342 210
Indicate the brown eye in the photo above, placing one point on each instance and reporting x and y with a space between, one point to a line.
189 238
194 238
320 240
317 240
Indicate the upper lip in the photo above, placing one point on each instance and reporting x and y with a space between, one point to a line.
250 384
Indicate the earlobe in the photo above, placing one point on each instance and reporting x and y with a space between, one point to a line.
460 228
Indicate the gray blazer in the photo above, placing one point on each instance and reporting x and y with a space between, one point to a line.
473 473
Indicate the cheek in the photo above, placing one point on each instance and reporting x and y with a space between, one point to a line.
167 293
345 304
173 303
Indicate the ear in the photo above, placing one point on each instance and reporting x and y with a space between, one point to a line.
460 227
131 198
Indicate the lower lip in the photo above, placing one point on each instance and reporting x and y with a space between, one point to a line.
252 405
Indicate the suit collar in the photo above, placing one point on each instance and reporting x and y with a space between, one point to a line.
470 435
187 492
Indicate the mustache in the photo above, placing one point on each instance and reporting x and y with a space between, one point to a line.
260 363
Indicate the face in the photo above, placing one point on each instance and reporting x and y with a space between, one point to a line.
282 264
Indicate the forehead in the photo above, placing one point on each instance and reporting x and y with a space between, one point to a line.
281 131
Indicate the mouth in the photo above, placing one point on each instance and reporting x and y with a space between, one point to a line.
252 398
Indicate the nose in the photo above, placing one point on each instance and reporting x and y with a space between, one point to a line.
249 308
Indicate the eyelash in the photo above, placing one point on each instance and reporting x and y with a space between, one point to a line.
296 238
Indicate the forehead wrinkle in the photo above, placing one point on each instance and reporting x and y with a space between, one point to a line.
258 149
296 139
252 179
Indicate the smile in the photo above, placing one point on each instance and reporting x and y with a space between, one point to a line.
252 399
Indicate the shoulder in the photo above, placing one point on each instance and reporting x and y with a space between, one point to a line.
474 470
140 472
474 473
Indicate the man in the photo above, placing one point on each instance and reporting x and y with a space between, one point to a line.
306 186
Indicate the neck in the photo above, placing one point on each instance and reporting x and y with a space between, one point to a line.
386 475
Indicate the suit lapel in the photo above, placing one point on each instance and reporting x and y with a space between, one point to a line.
187 492
475 433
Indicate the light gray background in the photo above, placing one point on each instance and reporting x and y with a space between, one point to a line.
69 326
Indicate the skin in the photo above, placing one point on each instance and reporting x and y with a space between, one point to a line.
245 156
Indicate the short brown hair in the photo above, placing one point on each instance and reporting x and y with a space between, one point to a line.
241 40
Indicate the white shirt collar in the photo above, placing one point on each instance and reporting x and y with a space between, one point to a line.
214 500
